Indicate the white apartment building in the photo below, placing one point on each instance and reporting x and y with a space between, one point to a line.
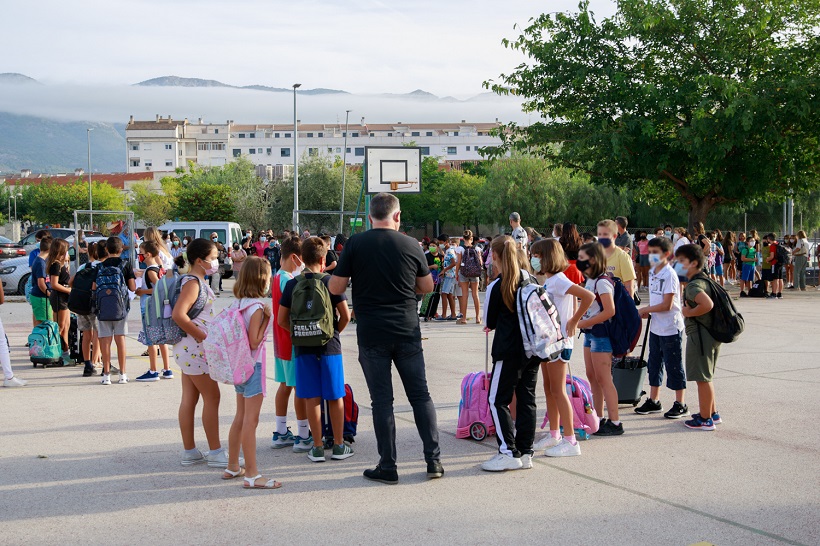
165 144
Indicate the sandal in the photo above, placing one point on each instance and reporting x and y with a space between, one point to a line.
461 321
231 474
250 483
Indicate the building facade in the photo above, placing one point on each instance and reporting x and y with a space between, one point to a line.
166 144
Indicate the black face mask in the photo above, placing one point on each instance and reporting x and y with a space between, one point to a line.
582 265
236 247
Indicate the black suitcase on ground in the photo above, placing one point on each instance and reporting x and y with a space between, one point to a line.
629 374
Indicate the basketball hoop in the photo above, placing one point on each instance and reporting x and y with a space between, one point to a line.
394 186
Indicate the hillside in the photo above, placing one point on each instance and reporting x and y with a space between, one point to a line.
177 81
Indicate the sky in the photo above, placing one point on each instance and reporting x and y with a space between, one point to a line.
446 47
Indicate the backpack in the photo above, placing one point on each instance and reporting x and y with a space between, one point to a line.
81 300
623 329
758 290
112 294
44 343
351 420
227 348
585 418
782 255
158 326
538 320
471 263
727 323
311 313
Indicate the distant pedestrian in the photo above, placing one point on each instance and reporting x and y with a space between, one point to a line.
801 259
384 301
519 235
623 240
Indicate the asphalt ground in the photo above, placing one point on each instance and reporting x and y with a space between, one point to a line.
82 463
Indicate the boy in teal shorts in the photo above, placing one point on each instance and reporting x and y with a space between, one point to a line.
284 364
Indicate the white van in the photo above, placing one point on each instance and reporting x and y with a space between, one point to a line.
228 233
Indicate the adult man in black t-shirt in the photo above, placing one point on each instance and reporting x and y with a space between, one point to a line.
384 300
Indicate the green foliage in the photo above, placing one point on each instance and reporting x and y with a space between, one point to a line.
52 203
425 208
205 201
702 102
154 208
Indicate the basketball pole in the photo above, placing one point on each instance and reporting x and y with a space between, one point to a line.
359 202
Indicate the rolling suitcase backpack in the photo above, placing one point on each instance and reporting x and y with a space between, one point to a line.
629 374
585 418
44 345
474 418
351 421
429 303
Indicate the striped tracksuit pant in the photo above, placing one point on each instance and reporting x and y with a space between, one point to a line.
519 377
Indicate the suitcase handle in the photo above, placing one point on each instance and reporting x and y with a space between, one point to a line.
645 336
486 359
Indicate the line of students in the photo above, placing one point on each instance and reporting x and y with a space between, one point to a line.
514 376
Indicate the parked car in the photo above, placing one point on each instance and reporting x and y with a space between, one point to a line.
14 273
10 249
228 233
29 242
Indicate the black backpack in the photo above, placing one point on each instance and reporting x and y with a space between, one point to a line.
758 290
727 323
782 255
81 300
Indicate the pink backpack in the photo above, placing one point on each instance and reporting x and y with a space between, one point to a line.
580 396
227 348
474 418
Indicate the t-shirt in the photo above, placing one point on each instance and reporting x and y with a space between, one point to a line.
680 242
127 267
695 286
237 259
801 248
507 341
604 286
519 235
126 243
38 271
384 290
750 254
332 347
764 254
282 347
624 240
619 265
643 247
434 259
449 259
556 287
773 253
665 323
62 275
331 257
32 256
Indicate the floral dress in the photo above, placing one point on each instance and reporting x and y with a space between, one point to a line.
189 355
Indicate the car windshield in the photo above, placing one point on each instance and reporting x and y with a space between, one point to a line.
5 241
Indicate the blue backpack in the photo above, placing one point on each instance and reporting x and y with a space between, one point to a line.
44 343
624 329
112 294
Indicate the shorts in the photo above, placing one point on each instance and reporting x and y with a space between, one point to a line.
111 328
719 270
462 278
777 272
767 275
748 272
41 308
700 363
253 386
597 344
284 371
320 376
448 285
87 323
665 352
643 260
58 301
565 355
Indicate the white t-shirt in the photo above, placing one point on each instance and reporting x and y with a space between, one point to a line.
801 248
556 287
665 323
604 287
680 242
167 261
519 235
260 354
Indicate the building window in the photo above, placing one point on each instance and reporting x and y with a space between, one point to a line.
338 150
148 164
252 151
310 135
372 135
218 146
429 133
275 135
268 134
135 162
321 135
135 147
355 134
237 152
252 135
389 134
359 152
284 152
330 150
425 150
347 150
259 150
216 131
313 152
287 135
415 133
269 151
480 133
452 150
169 163
468 148
241 135
169 146
455 133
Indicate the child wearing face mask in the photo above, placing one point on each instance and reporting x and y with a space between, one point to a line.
448 282
665 332
748 257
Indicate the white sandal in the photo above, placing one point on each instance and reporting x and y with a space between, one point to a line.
233 473
250 483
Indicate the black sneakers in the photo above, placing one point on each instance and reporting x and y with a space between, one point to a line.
607 428
649 406
677 411
435 470
378 474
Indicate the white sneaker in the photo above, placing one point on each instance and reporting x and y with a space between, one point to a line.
14 382
546 442
501 462
564 449
220 460
192 459
526 461
106 379
123 379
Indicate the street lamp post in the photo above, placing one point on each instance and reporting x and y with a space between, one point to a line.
90 202
344 172
295 163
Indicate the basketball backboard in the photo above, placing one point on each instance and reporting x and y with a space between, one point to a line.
393 169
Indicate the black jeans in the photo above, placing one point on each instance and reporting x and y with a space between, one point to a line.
518 376
377 361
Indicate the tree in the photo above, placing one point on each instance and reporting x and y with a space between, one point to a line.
709 101
50 202
205 201
459 198
422 209
152 207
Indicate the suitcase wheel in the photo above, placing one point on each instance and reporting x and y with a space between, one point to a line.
478 431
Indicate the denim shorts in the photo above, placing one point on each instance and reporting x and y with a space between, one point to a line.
448 285
597 344
253 386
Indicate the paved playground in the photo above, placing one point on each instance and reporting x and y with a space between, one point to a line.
81 463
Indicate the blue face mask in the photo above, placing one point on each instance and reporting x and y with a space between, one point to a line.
605 242
668 234
681 271
655 259
535 262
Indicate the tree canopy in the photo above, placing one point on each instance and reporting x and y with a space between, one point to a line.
698 103
50 202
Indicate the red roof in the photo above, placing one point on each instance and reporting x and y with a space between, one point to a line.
116 180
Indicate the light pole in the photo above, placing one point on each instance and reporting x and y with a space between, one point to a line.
344 173
14 225
295 163
90 202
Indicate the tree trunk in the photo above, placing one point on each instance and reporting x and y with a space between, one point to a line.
699 209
